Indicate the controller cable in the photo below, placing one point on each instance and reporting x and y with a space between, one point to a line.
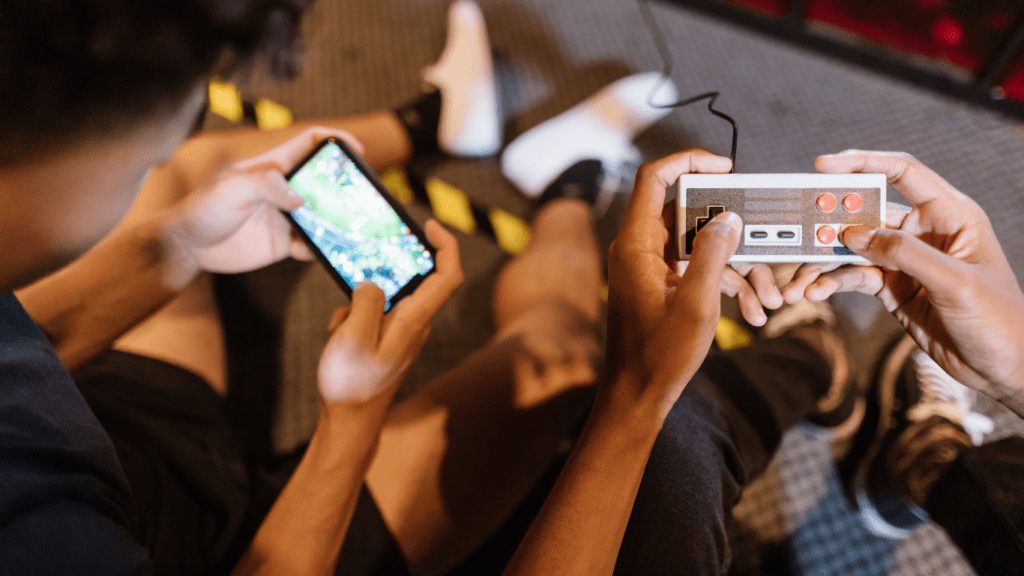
666 74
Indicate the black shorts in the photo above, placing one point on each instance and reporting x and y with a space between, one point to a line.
201 495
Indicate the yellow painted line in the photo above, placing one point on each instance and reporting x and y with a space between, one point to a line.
271 115
450 205
225 100
394 180
729 334
510 231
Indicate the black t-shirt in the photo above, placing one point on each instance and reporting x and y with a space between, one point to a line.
65 506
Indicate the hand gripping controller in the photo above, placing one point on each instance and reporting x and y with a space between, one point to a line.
786 217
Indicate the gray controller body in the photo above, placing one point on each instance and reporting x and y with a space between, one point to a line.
786 217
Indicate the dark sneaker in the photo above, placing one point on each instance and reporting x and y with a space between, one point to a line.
840 411
919 419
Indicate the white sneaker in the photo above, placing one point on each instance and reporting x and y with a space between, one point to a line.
470 123
602 127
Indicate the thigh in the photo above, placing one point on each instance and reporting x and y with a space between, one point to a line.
459 456
718 437
201 499
180 454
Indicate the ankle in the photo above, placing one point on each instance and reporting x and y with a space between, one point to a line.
420 119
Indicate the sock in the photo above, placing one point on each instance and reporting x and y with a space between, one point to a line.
581 181
421 119
601 127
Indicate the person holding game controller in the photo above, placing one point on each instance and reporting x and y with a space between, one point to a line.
939 269
676 432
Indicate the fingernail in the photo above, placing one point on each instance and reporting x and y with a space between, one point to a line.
856 237
732 219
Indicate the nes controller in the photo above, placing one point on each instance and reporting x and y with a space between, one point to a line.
786 217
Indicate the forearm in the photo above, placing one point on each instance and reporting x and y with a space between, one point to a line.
381 134
305 528
88 304
580 528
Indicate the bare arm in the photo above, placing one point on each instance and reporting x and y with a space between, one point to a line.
231 185
383 144
85 306
366 358
304 530
660 327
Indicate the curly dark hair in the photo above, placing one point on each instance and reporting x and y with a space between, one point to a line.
81 68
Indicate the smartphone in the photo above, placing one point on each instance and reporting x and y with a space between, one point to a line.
354 226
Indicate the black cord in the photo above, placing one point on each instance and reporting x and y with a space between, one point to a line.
666 75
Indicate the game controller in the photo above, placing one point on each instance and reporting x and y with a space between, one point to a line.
786 217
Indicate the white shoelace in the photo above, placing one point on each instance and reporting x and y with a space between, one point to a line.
942 395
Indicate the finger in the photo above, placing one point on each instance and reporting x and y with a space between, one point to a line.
415 313
863 279
264 184
668 217
899 251
299 250
339 316
712 248
431 295
285 156
762 279
805 275
915 181
648 198
366 315
736 286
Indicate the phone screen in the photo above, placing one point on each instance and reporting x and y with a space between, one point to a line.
357 231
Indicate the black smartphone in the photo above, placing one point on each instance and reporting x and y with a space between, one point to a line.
354 226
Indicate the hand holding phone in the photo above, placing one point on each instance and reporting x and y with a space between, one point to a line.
354 226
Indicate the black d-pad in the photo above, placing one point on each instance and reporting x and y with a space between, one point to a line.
713 211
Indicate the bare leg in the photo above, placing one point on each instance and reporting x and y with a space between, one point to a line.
187 332
455 459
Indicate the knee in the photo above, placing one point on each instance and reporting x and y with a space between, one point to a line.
554 348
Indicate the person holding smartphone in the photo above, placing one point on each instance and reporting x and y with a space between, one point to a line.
163 484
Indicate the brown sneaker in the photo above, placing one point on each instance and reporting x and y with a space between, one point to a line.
919 420
840 411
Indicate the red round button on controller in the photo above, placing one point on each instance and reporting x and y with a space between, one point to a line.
826 202
853 202
826 234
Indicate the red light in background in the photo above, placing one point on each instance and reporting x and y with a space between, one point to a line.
999 20
947 31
